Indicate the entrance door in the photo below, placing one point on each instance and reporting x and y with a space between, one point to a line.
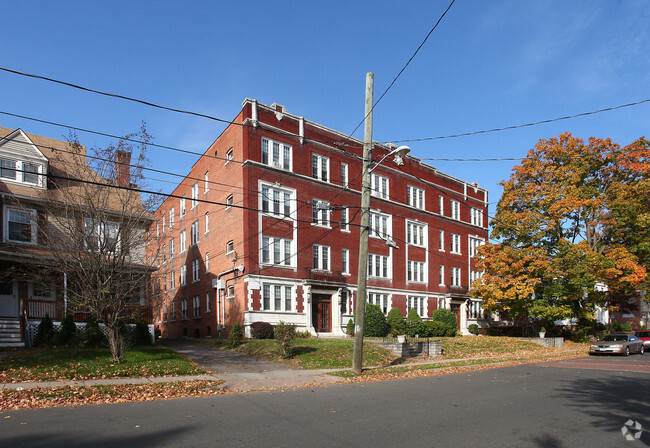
321 315
456 309
8 299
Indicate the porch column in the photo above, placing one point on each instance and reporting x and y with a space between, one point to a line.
306 300
336 313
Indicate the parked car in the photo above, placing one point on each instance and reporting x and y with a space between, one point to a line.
621 344
644 335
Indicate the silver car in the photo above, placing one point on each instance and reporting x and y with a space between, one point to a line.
620 344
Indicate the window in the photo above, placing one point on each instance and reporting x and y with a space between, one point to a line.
19 171
207 222
415 197
380 226
417 303
475 310
474 275
415 271
346 304
275 201
163 224
345 219
195 270
276 297
196 306
378 266
182 207
206 180
379 186
230 246
183 308
101 236
194 232
157 229
474 243
195 194
320 167
164 251
344 174
321 256
172 311
171 218
21 225
455 210
230 292
183 279
455 243
455 276
276 154
171 249
381 300
476 216
415 233
164 282
30 173
441 280
229 156
229 202
183 241
441 205
207 262
345 261
8 169
441 247
320 212
207 302
276 250
172 280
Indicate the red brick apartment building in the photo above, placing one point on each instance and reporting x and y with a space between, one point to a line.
266 228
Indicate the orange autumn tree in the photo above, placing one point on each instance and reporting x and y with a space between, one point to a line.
562 226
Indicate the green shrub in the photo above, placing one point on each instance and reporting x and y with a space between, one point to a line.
474 329
67 331
616 326
445 316
440 329
236 336
395 322
491 331
414 325
92 335
374 322
303 335
261 330
141 335
285 334
626 327
349 328
45 334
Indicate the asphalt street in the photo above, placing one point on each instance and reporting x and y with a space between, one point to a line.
538 405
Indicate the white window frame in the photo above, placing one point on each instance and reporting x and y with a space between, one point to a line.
163 224
276 251
21 172
345 173
379 266
172 252
456 276
345 219
229 201
474 243
99 231
455 209
181 205
420 303
441 205
207 262
415 197
195 194
476 216
207 222
172 280
320 167
196 267
206 180
207 303
270 300
416 233
455 244
320 216
276 154
321 258
183 276
441 245
383 300
184 309
194 233
416 271
230 246
379 186
277 202
441 276
172 312
171 218
381 226
183 237
196 307
345 261
32 216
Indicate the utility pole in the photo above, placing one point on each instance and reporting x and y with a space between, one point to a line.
357 354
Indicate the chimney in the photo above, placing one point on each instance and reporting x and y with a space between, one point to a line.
122 168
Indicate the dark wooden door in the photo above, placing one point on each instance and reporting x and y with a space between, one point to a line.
321 314
456 309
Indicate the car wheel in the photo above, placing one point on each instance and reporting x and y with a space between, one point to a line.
627 351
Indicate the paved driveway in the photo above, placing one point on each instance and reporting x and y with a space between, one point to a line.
241 372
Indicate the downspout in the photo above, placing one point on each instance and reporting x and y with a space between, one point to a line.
219 285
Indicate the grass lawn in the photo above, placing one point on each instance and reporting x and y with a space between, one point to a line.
66 363
313 353
479 346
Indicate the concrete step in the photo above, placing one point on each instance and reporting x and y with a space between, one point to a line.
11 345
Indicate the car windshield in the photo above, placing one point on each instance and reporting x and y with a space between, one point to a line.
615 337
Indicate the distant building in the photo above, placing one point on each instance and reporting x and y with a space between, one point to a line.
266 228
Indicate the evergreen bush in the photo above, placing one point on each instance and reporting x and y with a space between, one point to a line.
395 322
92 335
236 336
141 335
474 329
375 322
45 334
285 335
261 330
445 316
349 328
67 331
414 325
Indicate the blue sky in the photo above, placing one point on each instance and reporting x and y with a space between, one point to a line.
489 64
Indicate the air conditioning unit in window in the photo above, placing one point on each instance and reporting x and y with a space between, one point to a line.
277 165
